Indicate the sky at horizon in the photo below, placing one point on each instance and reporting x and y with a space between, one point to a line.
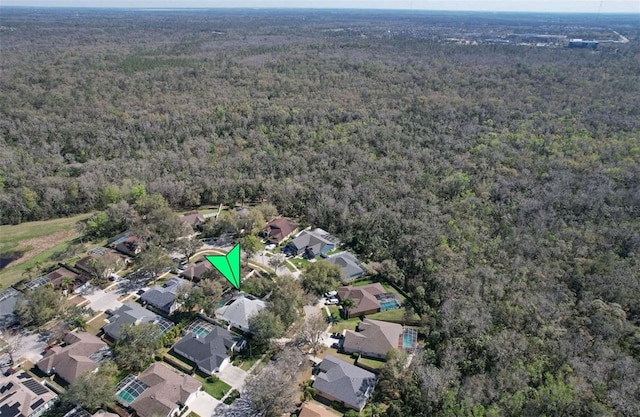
575 6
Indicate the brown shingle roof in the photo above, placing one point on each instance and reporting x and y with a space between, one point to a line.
193 219
373 337
167 389
195 271
72 360
279 229
363 296
310 409
56 277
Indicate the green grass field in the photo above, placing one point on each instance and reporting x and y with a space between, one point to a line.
35 243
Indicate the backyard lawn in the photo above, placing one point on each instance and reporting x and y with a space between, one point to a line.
371 363
395 315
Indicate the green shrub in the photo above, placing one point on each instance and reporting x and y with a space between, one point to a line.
233 395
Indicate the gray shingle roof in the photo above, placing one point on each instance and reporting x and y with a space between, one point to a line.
163 296
312 242
345 382
208 352
237 313
348 263
129 313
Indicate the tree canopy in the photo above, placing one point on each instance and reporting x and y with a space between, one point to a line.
496 184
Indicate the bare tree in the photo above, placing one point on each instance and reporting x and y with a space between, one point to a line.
273 391
277 261
312 331
12 344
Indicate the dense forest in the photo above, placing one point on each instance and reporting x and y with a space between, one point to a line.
499 185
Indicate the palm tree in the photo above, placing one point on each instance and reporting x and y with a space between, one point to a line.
66 283
308 392
347 305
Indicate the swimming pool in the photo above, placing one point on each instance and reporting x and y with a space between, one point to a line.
131 389
409 338
388 305
200 331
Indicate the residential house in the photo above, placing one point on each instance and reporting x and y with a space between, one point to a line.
349 265
163 297
373 338
196 272
116 260
238 311
128 244
23 396
133 313
345 383
64 278
364 298
311 244
209 352
314 409
194 220
81 353
8 300
158 392
278 230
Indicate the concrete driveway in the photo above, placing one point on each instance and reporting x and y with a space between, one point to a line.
203 404
101 300
233 376
31 347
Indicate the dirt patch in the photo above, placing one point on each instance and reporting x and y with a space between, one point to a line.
35 246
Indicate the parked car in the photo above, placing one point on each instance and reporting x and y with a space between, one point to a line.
336 345
331 294
332 301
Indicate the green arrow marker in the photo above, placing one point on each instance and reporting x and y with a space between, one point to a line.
228 265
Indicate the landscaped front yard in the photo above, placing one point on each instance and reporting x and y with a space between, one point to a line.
246 363
97 324
300 263
216 389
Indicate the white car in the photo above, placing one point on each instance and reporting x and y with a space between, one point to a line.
331 294
332 301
